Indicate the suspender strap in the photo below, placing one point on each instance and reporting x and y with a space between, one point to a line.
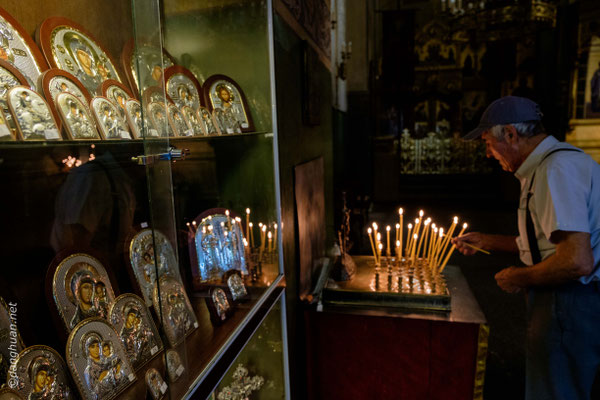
536 256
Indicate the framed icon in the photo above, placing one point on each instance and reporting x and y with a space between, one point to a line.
209 124
18 49
178 318
81 289
155 94
67 45
234 281
150 61
55 81
9 78
79 124
32 115
194 120
155 384
219 304
133 113
117 93
226 122
183 87
132 320
180 123
175 367
109 120
6 132
98 361
216 247
160 120
220 91
42 373
144 259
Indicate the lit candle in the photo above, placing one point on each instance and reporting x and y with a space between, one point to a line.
398 247
415 232
270 236
379 248
408 239
251 234
401 212
447 238
452 249
388 249
432 239
190 228
275 237
228 219
370 232
194 225
415 237
248 223
378 238
375 228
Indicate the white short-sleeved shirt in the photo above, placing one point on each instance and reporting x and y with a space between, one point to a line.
566 197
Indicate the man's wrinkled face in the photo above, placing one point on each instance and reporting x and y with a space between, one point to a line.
503 150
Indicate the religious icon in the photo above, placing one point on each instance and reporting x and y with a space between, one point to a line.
9 78
133 112
81 289
10 339
183 87
193 119
117 93
149 60
178 317
68 46
76 117
32 115
10 394
145 259
159 117
181 125
18 49
109 120
219 304
234 281
98 361
223 92
131 319
209 125
174 366
219 247
42 374
226 121
155 384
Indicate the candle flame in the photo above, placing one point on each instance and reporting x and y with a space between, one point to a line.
397 226
397 243
456 220
427 221
387 228
375 225
421 213
245 242
435 229
238 219
275 226
227 213
260 224
369 231
417 221
465 225
378 236
264 228
400 211
250 224
269 235
188 224
247 211
409 226
380 246
194 223
415 236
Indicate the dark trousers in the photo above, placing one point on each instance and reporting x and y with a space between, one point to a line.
563 342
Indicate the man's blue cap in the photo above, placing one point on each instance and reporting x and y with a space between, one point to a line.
504 111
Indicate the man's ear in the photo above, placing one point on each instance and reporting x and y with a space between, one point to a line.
510 134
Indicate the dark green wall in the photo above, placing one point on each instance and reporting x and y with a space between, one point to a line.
299 143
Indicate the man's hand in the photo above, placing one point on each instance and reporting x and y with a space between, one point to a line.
474 238
507 280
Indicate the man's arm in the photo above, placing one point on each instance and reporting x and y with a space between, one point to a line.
485 241
573 259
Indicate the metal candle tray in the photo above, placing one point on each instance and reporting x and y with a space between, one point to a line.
393 285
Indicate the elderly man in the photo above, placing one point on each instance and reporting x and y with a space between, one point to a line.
558 241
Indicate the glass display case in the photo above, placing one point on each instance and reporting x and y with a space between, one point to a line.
141 234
